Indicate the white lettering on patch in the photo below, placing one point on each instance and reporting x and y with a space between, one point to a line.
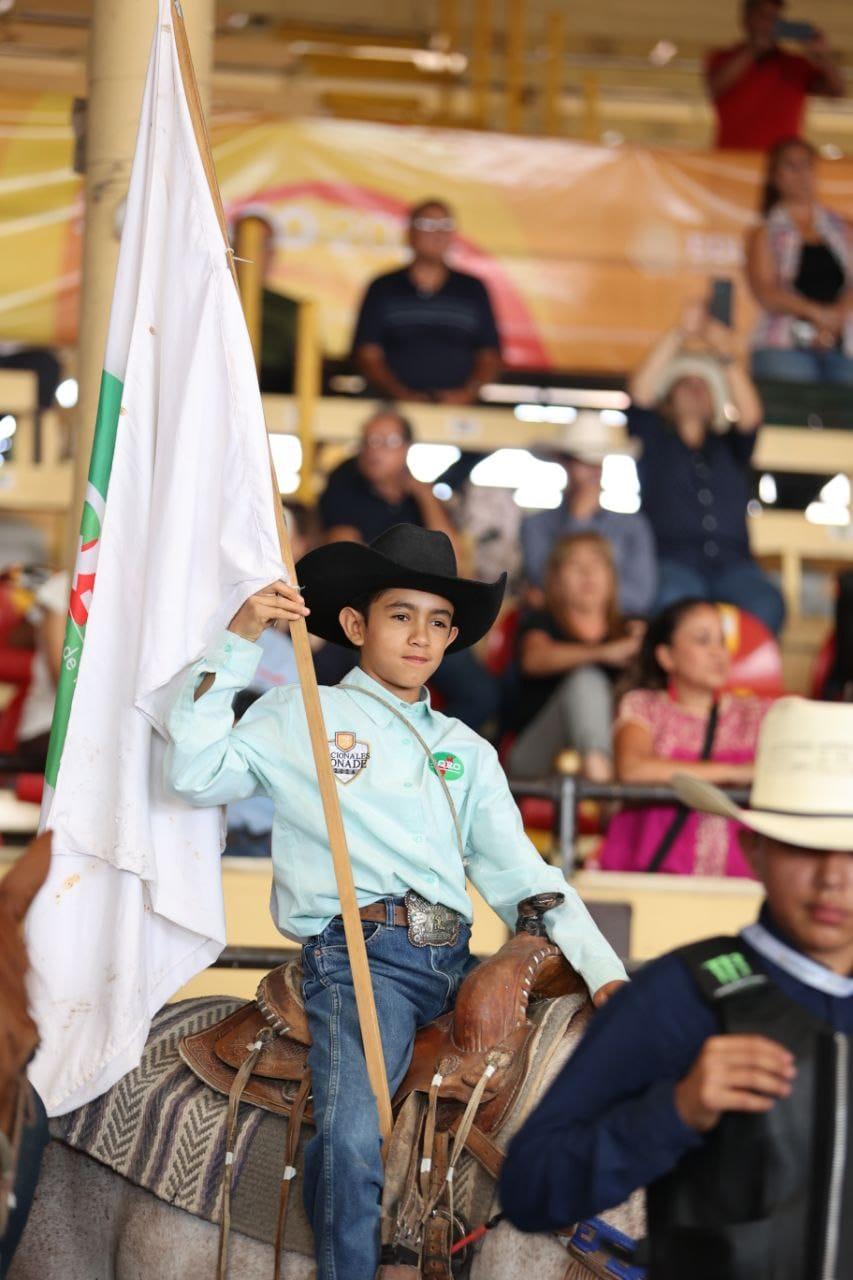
349 756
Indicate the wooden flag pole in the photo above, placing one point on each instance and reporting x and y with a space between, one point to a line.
365 1003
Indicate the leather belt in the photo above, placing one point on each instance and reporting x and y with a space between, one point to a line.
377 913
430 924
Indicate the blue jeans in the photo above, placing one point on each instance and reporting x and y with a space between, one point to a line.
741 583
343 1164
779 364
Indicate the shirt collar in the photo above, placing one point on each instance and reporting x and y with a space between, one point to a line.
358 679
766 938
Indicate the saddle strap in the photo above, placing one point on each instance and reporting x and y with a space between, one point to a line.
241 1079
487 1154
429 1132
459 1141
294 1130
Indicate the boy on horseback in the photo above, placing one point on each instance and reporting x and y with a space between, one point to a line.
401 603
722 1078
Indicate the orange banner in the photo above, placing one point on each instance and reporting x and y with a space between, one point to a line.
588 251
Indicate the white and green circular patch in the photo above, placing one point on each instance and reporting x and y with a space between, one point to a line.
448 765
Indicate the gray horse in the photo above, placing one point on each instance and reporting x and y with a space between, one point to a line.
130 1187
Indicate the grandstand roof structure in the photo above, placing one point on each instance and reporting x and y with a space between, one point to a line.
614 71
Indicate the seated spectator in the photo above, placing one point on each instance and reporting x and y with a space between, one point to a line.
800 268
48 617
697 416
664 727
758 89
426 331
569 654
582 450
367 495
718 1079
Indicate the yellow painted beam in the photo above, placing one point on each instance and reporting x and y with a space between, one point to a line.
515 20
481 61
555 45
308 375
250 242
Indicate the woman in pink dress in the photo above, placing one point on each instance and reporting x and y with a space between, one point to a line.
660 730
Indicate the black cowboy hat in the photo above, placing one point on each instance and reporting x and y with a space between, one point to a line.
342 573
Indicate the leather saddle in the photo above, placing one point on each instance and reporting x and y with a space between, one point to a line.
489 1027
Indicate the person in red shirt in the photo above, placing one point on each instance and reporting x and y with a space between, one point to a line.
759 90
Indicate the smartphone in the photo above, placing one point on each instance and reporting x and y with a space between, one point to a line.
786 29
720 301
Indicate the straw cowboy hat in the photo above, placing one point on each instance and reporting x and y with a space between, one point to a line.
404 556
589 440
713 374
802 790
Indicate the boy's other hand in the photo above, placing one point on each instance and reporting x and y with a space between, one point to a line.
603 994
274 604
734 1073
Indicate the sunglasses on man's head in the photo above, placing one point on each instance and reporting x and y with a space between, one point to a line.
434 224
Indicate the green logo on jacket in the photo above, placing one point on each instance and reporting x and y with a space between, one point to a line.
728 969
449 766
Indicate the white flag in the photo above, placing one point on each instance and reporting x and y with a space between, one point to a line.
178 529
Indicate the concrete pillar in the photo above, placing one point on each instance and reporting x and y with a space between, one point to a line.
122 31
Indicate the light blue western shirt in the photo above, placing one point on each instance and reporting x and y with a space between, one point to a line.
398 824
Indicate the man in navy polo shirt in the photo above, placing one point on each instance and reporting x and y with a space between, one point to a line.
427 332
721 1079
369 494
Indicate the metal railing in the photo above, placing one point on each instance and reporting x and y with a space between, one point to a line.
567 791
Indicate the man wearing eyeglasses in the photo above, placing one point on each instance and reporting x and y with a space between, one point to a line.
369 493
427 332
365 496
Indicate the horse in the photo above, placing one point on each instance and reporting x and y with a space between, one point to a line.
22 1134
131 1183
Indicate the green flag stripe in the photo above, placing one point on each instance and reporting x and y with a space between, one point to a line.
100 466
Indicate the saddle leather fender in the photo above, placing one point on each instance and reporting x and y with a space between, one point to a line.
488 1026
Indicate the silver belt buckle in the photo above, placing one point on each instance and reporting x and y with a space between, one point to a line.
431 924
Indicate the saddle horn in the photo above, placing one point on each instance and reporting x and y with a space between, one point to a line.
531 912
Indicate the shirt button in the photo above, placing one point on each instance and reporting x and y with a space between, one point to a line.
419 839
407 786
407 742
706 497
709 524
710 548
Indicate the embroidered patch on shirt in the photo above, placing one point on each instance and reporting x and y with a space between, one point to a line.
448 765
348 755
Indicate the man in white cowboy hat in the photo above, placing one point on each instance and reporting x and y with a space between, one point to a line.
722 1078
581 449
425 803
